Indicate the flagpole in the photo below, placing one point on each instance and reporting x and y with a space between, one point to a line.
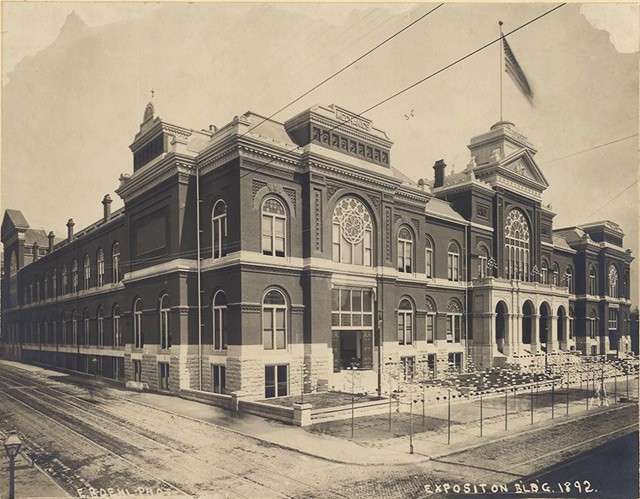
501 62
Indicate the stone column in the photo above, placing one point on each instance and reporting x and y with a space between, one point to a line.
552 342
535 343
508 339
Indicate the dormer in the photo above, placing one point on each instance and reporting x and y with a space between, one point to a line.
156 138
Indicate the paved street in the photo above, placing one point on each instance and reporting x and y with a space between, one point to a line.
102 438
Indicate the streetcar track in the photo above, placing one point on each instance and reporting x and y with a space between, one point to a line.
91 427
155 441
109 451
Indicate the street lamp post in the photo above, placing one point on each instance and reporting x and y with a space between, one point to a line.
12 445
449 417
553 392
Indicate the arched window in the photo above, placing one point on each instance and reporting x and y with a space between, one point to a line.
100 326
352 233
593 324
593 283
453 262
454 321
431 321
100 260
428 258
63 287
115 324
74 276
63 329
274 227
568 277
54 283
13 264
165 334
86 329
219 229
220 321
274 320
483 259
115 263
405 322
138 339
54 330
517 238
45 286
405 250
571 323
87 272
74 328
555 274
544 272
13 279
613 281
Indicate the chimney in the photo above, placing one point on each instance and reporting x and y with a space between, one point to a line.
213 128
51 237
106 203
70 225
36 249
439 169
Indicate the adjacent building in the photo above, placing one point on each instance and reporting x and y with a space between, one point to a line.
263 258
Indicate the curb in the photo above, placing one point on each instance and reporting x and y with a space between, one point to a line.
531 430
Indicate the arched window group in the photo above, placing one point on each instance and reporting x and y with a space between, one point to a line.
352 231
517 241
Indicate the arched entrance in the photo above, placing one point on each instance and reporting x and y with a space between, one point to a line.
502 325
528 311
561 323
545 317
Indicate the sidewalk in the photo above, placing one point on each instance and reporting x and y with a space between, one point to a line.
30 481
373 444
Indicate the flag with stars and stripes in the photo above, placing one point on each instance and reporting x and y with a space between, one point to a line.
514 70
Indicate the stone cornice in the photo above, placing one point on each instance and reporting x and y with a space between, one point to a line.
145 179
349 173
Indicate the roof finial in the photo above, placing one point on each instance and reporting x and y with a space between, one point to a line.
152 92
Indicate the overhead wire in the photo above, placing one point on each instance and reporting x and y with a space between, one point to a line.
344 68
406 89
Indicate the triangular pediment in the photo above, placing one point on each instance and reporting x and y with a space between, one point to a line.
522 164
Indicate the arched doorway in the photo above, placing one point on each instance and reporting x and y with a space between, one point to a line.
502 326
545 318
561 322
528 311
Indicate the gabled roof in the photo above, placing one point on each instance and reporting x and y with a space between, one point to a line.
13 220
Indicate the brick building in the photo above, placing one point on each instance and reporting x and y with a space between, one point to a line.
257 257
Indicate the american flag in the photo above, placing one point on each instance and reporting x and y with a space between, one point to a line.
514 70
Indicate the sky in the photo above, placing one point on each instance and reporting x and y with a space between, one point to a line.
582 63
